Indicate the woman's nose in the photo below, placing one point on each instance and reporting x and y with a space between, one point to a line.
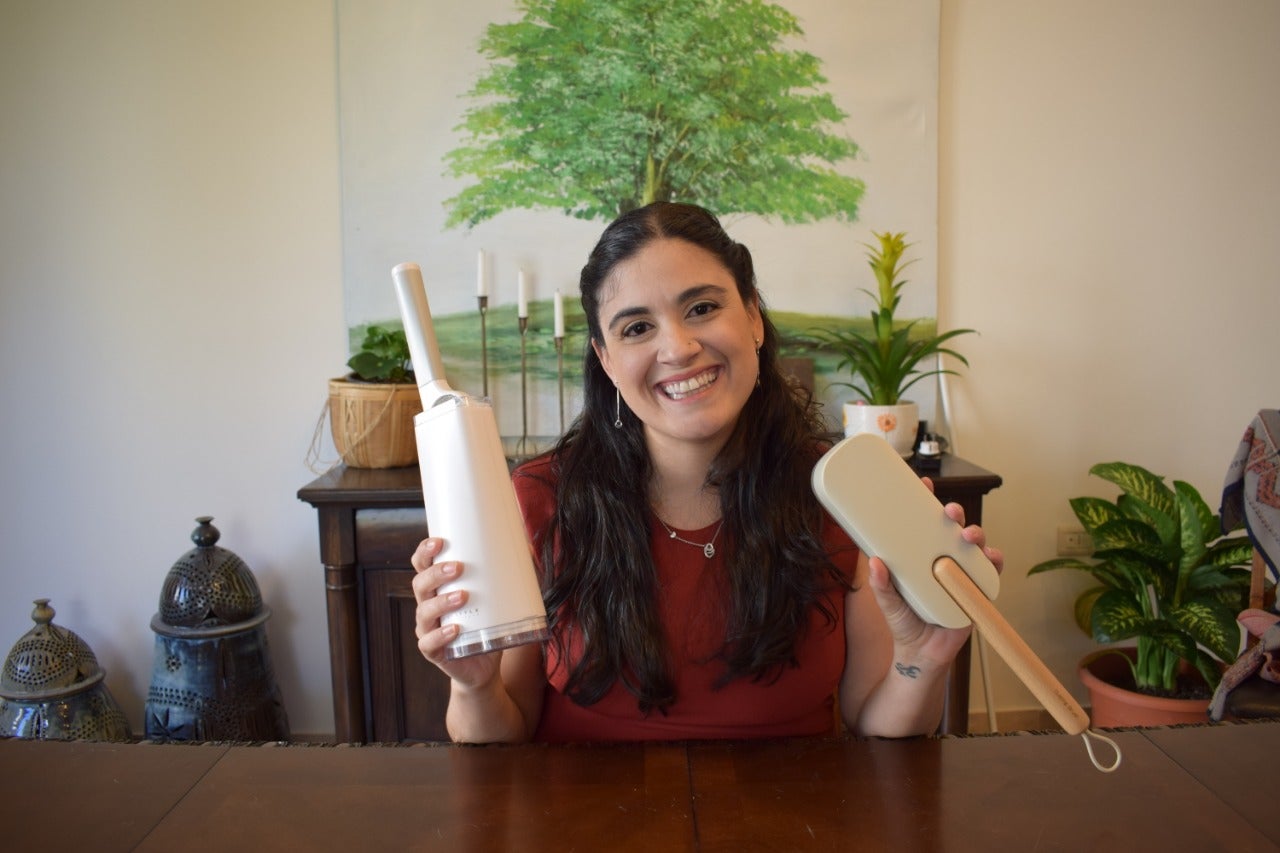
678 345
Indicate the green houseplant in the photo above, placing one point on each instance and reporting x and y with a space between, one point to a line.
1167 577
371 409
383 357
884 362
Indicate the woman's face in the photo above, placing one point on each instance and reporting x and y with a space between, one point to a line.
678 342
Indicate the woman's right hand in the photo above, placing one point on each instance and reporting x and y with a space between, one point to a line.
475 671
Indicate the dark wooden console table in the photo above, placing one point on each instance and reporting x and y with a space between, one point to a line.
370 522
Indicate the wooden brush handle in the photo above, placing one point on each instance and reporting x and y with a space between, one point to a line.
1012 648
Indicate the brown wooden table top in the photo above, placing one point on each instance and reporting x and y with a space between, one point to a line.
1235 763
436 798
92 796
1198 788
1028 792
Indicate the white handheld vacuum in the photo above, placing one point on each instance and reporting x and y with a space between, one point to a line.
469 499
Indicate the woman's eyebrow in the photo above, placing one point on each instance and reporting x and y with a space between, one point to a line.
626 314
700 290
687 295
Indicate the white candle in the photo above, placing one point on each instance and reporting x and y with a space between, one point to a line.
559 306
482 275
522 295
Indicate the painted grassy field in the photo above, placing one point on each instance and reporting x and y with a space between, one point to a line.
459 340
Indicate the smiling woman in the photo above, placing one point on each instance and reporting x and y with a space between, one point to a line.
679 345
694 586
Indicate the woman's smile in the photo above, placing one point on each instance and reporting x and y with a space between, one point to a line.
682 388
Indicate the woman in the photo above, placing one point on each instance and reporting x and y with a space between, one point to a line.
694 586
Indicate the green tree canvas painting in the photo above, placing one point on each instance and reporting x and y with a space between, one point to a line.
514 130
597 108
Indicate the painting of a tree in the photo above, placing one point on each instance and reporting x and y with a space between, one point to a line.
511 130
594 107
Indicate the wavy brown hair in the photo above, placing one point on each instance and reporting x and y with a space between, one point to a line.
599 580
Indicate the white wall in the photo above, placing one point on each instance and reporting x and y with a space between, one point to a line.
170 310
170 294
1108 220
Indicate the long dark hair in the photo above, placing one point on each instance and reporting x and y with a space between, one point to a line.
600 583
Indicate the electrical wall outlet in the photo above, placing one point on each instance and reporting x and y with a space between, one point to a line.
1074 542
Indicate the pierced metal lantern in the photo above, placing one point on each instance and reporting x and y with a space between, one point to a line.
212 677
53 689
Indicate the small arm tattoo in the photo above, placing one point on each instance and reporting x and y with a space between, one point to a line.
909 670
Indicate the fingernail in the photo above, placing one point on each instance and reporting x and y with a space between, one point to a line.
449 569
454 597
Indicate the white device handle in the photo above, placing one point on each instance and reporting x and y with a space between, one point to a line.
428 366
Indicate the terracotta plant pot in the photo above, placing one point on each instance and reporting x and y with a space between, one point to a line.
1114 705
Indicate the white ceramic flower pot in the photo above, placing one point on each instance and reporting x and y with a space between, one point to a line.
896 424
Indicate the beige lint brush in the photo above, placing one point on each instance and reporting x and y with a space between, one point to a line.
883 505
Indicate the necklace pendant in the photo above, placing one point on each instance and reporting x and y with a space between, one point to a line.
673 535
709 549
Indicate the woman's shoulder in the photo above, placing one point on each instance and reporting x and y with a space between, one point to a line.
540 467
535 479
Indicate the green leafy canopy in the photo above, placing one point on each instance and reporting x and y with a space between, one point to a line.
594 107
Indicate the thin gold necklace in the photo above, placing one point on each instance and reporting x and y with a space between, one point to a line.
708 548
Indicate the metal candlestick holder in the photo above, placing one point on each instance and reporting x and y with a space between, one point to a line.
560 376
522 447
484 346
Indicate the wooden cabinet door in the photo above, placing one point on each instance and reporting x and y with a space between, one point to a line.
407 695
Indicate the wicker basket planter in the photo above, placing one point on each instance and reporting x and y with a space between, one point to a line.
372 423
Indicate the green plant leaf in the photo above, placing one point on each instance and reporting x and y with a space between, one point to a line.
1094 512
1128 534
1139 482
1131 573
1208 667
1083 609
1197 524
383 356
1189 498
1165 525
1210 577
1234 552
1211 624
1115 617
1060 563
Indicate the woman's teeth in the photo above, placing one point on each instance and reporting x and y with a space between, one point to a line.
682 389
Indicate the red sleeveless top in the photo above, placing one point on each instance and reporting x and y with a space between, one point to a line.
799 702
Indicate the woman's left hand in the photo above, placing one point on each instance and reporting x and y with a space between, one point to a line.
918 639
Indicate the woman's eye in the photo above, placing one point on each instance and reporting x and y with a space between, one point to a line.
701 309
637 328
